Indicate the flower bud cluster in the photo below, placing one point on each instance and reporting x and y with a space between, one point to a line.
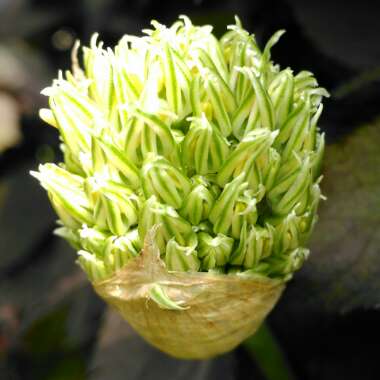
206 138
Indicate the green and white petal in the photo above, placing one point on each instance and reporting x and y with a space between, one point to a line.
181 258
255 244
163 180
170 224
70 235
92 240
240 159
198 204
66 193
204 147
214 251
94 268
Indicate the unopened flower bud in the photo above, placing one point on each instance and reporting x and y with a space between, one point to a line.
170 223
198 204
182 258
204 147
66 193
241 158
256 243
214 251
94 267
163 180
235 205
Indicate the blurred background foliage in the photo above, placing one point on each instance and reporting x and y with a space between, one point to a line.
326 326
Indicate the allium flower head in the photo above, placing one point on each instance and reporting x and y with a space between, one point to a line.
205 140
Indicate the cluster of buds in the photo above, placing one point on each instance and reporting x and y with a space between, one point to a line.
205 138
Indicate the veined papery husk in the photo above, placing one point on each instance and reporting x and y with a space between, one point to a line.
210 313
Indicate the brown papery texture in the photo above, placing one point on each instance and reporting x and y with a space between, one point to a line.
218 311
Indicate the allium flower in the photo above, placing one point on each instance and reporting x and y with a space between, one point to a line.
204 141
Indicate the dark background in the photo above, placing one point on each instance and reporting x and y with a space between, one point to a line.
326 326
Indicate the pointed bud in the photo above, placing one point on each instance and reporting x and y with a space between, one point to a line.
97 62
290 192
93 266
300 132
246 116
234 206
284 265
147 133
306 85
255 244
252 146
195 96
281 92
214 92
264 103
212 59
73 114
116 207
304 80
173 89
310 217
118 250
169 222
262 172
70 235
318 155
271 167
214 251
265 59
166 182
66 193
72 163
204 147
118 159
93 240
198 204
182 258
294 121
287 236
48 117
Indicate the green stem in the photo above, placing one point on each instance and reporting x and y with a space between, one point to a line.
268 355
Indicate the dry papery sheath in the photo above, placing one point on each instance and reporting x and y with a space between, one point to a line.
190 181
